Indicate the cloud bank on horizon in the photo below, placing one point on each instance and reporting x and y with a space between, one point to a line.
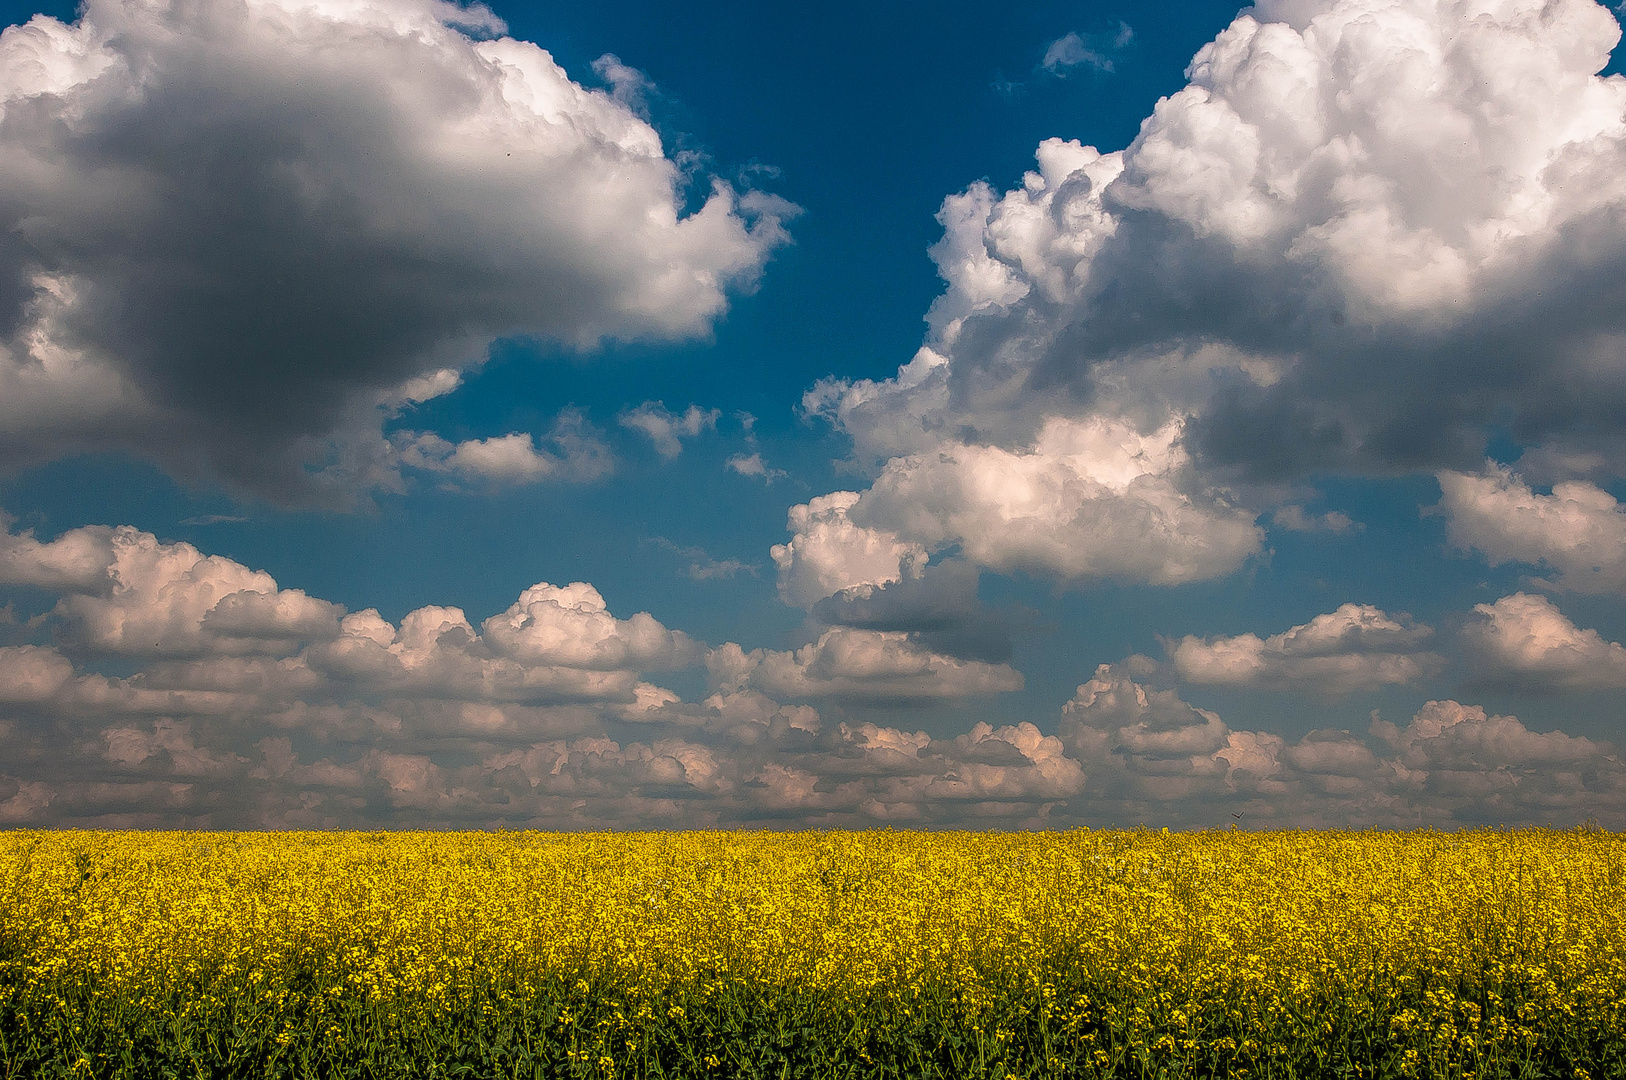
256 706
1368 238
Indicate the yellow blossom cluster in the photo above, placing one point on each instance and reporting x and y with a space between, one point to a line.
1082 953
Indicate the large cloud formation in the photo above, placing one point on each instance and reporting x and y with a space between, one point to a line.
235 237
238 702
1365 231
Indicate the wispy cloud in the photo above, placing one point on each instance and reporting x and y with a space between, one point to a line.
701 565
214 519
753 465
1294 519
1070 53
1075 50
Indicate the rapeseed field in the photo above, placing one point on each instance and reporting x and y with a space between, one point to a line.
879 954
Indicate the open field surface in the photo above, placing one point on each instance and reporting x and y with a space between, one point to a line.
1084 953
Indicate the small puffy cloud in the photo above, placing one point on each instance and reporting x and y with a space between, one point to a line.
1330 753
667 430
507 457
248 238
872 665
1357 647
1525 641
572 625
628 85
573 452
422 388
829 552
1578 532
752 465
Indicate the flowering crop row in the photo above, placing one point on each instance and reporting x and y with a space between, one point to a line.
1076 954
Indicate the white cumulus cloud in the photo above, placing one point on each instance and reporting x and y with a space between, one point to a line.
1356 647
1365 233
1526 641
1578 532
129 593
1086 500
867 665
829 552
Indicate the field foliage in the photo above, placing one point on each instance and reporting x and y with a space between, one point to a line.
1077 954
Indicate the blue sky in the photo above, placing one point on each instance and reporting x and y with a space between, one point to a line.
1330 356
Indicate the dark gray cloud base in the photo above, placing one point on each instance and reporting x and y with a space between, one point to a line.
233 235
